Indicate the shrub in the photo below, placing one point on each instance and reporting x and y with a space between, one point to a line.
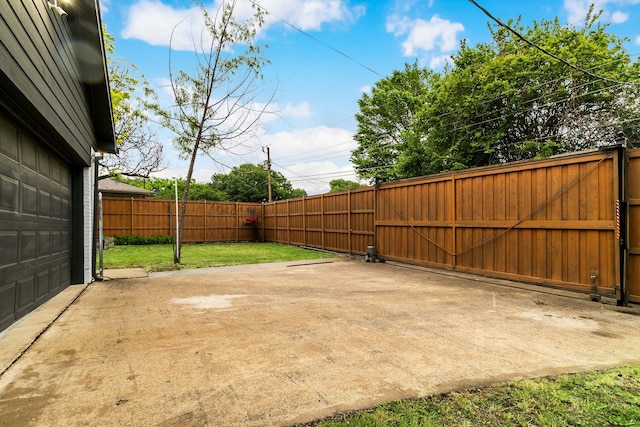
139 240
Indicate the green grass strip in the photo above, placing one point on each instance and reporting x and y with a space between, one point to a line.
160 257
598 398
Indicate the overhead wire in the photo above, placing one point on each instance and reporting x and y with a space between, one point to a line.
315 39
510 113
587 72
543 50
529 88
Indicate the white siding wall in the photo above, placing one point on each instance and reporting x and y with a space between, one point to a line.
88 176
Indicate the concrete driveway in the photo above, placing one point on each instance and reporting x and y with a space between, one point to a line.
282 344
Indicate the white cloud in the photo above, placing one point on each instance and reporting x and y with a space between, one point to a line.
153 21
312 157
200 175
301 110
618 17
577 10
435 34
404 6
104 6
314 177
311 14
638 40
439 61
309 143
309 158
366 89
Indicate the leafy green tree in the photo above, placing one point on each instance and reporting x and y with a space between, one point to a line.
389 120
215 106
139 152
503 101
248 183
506 100
164 188
343 185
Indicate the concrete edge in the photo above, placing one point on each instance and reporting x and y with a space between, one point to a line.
124 273
20 336
531 287
245 267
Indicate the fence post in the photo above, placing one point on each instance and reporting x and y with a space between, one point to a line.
288 223
349 221
262 209
131 224
454 249
621 251
237 225
322 218
304 221
376 188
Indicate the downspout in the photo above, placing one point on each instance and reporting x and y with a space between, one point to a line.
97 156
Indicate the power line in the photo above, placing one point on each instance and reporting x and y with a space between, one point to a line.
320 158
511 113
304 153
543 50
338 51
539 85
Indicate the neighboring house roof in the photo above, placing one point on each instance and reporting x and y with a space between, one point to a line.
114 187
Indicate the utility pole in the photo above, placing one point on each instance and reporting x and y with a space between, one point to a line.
268 151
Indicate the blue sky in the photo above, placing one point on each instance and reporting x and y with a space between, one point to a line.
317 88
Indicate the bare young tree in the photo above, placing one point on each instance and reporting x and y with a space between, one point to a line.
216 106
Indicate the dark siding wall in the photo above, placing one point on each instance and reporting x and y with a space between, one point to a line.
39 76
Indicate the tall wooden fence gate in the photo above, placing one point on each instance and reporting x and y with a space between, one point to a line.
559 222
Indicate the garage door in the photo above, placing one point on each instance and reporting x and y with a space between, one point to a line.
35 223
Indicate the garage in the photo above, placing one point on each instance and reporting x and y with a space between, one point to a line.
55 117
35 222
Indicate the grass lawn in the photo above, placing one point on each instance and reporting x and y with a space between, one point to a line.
160 257
598 398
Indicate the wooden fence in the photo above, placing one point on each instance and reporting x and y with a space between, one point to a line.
341 222
545 222
204 221
551 222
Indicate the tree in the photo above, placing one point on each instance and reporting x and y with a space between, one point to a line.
248 183
504 101
215 106
139 152
389 120
164 188
507 100
343 185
